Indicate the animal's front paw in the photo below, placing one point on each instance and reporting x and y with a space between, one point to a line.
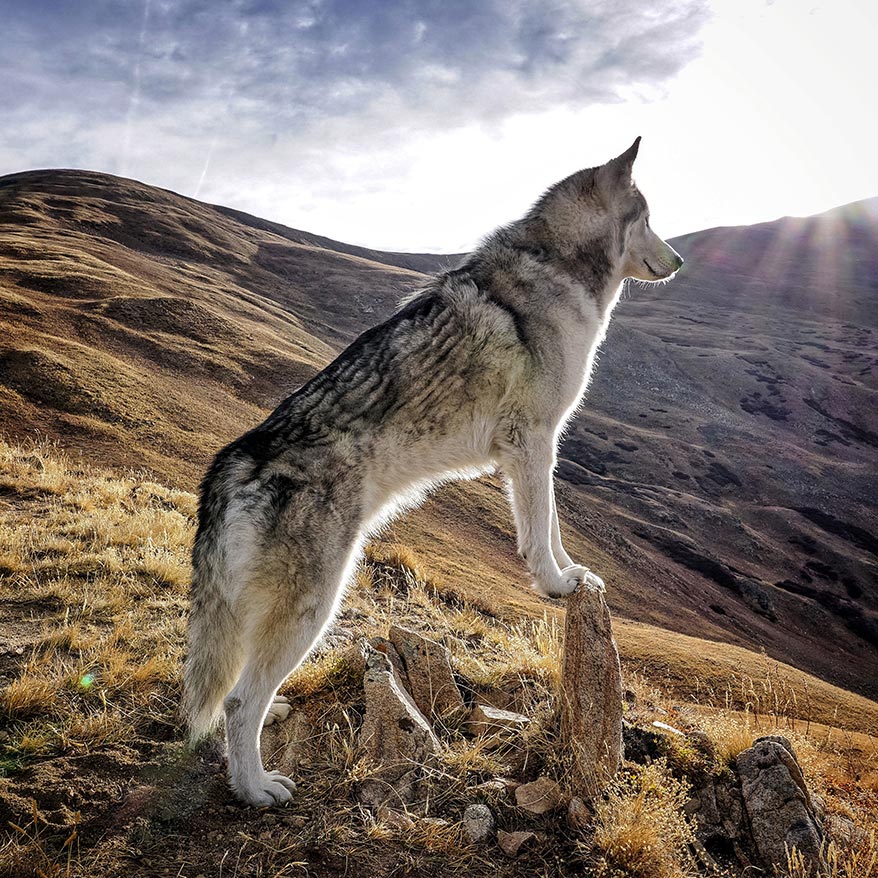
273 788
572 579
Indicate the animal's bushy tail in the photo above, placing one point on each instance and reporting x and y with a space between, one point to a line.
215 649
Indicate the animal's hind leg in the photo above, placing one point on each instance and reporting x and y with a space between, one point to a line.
289 602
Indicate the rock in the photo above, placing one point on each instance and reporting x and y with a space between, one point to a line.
721 821
844 831
354 658
539 796
486 720
428 667
777 802
478 823
642 745
512 842
591 687
705 858
578 814
395 735
394 819
287 745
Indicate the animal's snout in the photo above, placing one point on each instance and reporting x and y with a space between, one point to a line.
676 259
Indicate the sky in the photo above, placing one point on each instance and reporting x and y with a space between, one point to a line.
420 125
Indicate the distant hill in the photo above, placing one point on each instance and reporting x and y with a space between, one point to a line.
721 475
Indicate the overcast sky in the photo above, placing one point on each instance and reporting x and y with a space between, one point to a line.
422 124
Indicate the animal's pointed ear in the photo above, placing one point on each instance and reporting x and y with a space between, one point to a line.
627 157
617 171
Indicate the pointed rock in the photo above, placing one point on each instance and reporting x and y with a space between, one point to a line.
354 658
591 689
778 804
428 668
395 735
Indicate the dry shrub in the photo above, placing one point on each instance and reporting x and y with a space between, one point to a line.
859 859
641 830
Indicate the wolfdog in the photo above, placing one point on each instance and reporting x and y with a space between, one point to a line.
480 369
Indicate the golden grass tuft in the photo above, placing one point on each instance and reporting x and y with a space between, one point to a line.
641 830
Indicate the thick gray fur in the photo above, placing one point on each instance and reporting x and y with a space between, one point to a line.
479 370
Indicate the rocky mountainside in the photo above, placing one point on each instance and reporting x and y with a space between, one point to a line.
721 474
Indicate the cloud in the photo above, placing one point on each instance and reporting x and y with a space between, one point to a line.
165 90
285 63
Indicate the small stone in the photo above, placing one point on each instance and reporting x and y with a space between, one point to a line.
539 796
664 727
478 823
512 842
578 815
487 720
394 819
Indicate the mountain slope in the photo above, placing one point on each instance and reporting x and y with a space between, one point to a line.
720 475
732 427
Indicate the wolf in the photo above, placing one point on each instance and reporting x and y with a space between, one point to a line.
478 370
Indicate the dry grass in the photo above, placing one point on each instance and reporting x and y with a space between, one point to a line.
102 564
641 830
853 860
32 850
840 766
